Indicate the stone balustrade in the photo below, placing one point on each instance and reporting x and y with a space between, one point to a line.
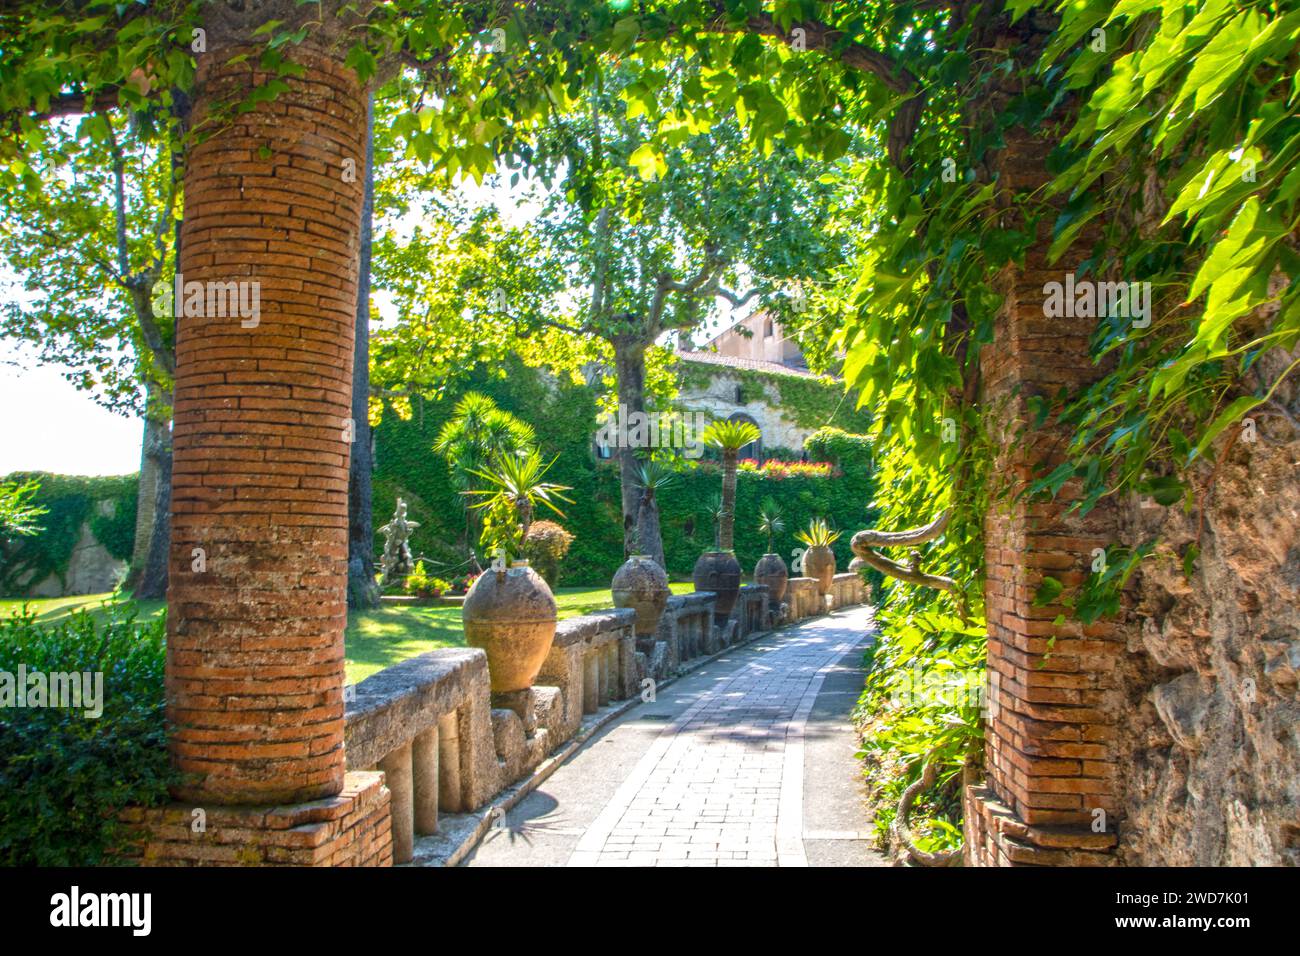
592 661
848 589
426 723
447 744
751 611
803 599
686 629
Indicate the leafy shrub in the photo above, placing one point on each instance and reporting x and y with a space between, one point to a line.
63 775
845 449
421 584
545 547
922 702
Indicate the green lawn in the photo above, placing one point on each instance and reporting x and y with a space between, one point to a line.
375 639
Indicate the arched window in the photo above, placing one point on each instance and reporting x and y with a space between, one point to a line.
755 448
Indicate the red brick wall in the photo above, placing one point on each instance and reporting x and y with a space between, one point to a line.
255 641
352 828
1053 705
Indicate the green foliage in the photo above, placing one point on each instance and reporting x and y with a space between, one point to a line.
69 502
89 250
545 546
421 584
565 417
478 433
846 449
922 702
770 522
810 402
63 776
18 513
514 485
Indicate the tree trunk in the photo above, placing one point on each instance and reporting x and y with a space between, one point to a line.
156 434
629 369
151 583
727 520
363 592
647 529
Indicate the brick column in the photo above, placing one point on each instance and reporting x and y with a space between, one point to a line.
1052 703
257 601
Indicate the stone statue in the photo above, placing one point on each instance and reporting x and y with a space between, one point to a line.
397 562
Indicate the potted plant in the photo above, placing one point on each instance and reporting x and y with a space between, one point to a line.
771 569
641 583
509 611
719 571
819 559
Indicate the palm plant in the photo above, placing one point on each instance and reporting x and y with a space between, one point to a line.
818 534
729 437
652 476
18 514
770 521
515 486
478 433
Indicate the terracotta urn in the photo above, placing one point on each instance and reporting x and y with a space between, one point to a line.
771 571
511 614
643 586
719 572
819 563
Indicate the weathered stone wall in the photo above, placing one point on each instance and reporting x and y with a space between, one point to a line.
91 569
718 399
1211 741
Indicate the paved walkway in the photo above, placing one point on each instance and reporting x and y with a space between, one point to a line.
748 761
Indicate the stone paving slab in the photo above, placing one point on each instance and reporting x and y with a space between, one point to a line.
747 762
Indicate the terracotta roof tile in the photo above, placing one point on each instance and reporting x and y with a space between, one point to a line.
757 365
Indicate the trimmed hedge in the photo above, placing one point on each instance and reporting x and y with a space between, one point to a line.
70 500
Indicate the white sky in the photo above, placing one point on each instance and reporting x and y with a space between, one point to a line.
48 425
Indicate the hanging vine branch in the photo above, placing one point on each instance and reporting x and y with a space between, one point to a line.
902 829
864 541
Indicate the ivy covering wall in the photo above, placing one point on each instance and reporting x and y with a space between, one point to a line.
70 501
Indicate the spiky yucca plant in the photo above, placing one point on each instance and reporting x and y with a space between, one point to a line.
516 486
818 534
651 475
770 521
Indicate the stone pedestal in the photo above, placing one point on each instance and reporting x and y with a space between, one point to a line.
351 828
